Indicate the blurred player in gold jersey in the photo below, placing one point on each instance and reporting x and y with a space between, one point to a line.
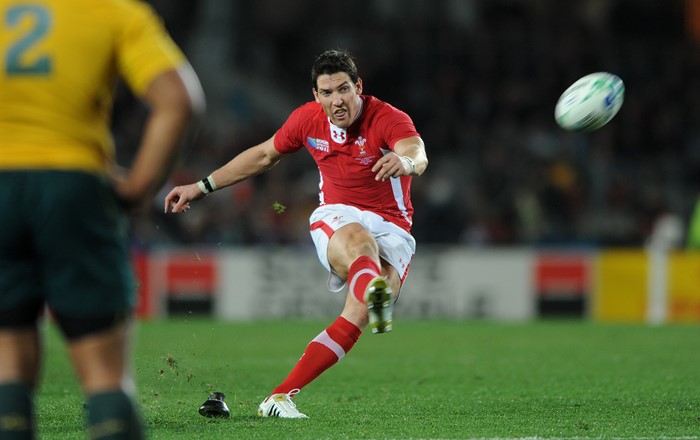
63 242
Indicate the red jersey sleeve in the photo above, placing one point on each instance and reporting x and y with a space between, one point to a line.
395 125
290 137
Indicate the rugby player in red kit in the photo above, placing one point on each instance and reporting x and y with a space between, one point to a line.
367 152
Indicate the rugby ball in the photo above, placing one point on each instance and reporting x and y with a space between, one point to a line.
590 102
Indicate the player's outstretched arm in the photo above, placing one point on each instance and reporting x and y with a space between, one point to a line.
249 163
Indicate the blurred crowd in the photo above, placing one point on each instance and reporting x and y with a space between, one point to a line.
480 79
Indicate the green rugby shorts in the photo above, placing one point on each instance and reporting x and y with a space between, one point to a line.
63 241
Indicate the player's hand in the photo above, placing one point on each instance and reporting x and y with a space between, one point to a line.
390 165
179 198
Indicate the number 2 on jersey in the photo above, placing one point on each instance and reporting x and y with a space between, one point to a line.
41 24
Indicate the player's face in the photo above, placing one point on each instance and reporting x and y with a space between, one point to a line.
339 97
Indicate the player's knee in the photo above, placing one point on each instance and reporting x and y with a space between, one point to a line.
367 248
99 355
354 236
19 357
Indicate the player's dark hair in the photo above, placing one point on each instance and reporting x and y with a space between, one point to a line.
333 61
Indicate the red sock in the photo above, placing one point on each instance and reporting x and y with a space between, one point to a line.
361 272
322 353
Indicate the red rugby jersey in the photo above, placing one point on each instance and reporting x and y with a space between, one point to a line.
345 157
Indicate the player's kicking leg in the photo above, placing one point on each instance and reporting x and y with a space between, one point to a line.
329 347
351 254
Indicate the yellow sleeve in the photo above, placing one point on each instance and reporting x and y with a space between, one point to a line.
145 50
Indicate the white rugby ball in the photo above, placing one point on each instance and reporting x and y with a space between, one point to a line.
590 102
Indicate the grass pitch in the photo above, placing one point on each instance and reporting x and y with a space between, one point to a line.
424 380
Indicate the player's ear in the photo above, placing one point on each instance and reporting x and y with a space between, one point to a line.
313 90
358 86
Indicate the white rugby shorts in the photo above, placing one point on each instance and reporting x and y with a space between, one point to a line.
396 246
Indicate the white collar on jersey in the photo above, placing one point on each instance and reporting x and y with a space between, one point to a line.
340 135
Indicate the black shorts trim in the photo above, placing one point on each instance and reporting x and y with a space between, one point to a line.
21 317
27 316
75 327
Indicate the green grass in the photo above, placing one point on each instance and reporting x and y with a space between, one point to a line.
425 380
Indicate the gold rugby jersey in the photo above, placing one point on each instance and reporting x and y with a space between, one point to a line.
59 64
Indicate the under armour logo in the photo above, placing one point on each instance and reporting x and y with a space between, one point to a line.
339 134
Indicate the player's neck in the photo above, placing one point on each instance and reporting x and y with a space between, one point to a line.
359 112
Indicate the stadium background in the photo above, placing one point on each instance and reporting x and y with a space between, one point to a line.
480 79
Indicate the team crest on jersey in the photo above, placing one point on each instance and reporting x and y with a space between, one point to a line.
362 157
319 144
360 142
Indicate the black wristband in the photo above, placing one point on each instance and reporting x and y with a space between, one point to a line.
207 185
